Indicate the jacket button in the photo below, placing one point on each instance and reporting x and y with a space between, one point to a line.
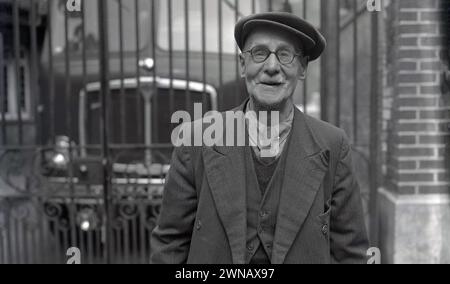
325 229
263 214
199 225
250 247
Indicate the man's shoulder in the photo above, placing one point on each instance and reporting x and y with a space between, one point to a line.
325 132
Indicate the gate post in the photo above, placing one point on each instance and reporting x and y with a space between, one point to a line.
415 205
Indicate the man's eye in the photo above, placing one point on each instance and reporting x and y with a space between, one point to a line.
260 53
284 54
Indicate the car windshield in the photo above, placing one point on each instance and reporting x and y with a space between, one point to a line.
75 32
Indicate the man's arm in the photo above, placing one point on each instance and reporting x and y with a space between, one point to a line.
171 237
348 237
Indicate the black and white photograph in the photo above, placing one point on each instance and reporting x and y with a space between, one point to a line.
224 132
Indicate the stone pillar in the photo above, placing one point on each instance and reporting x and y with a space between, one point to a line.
414 204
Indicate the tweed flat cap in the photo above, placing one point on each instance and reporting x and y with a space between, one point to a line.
311 39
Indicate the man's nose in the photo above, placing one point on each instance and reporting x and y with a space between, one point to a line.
272 65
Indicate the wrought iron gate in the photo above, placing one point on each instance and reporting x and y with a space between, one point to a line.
85 100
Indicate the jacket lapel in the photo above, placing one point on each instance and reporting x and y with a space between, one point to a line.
306 165
225 172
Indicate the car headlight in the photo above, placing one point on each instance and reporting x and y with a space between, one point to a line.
58 157
60 160
87 219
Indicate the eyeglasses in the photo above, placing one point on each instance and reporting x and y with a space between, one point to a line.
260 54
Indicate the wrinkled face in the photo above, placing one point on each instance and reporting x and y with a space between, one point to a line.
270 84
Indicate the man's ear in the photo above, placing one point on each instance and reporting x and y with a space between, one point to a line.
304 62
242 64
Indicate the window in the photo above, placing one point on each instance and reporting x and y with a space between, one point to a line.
10 100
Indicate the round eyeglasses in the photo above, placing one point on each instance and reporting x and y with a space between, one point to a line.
261 53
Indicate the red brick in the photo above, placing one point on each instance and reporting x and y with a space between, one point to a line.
407 165
417 53
431 16
434 189
418 102
431 66
435 139
415 152
432 41
409 41
418 29
417 78
430 90
407 90
408 140
409 66
444 177
428 165
444 127
416 177
416 127
411 4
444 152
436 114
406 189
409 16
406 114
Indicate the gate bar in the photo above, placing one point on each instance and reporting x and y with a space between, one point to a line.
237 85
83 55
3 94
68 108
51 77
305 81
338 65
170 35
16 27
121 71
220 24
155 65
139 100
203 15
104 81
374 166
188 99
35 98
355 72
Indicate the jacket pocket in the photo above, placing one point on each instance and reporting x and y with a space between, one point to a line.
324 225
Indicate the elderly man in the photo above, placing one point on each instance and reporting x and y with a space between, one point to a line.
226 204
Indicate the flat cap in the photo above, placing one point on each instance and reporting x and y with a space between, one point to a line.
311 39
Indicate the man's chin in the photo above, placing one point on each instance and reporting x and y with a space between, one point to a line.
267 105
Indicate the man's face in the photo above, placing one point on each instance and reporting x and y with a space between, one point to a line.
270 83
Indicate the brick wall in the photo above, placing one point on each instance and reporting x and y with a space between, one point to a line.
416 103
